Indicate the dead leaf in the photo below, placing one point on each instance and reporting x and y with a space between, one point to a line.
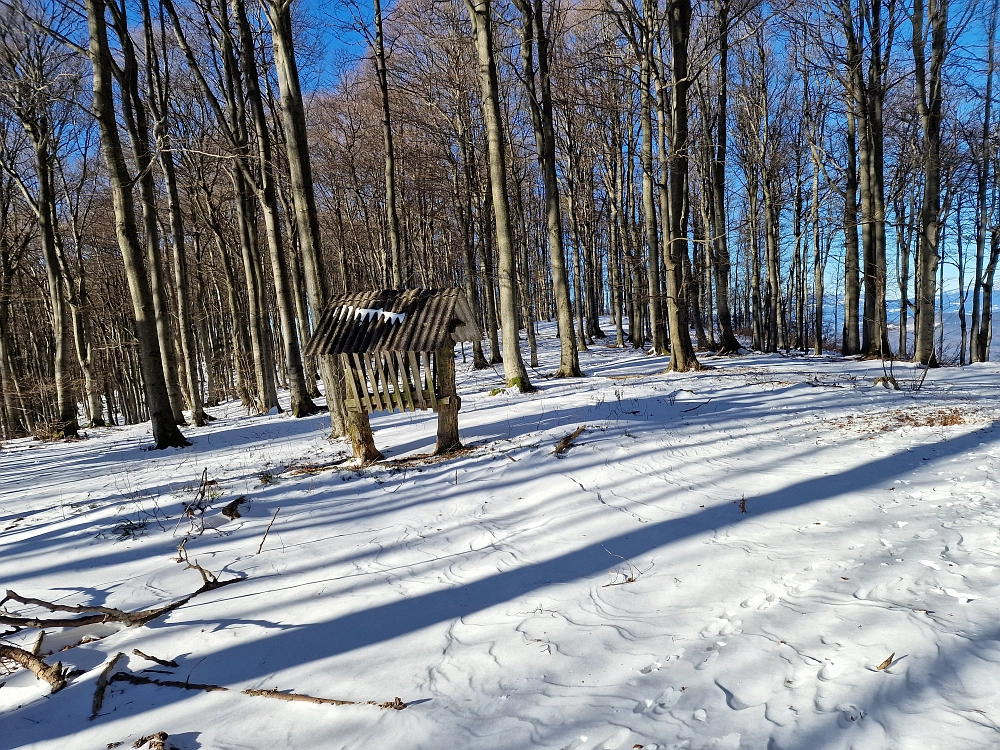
887 663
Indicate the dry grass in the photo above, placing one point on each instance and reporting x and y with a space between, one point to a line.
900 419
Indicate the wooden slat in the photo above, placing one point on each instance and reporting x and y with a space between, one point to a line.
417 381
404 380
389 360
362 384
352 385
429 379
385 376
377 399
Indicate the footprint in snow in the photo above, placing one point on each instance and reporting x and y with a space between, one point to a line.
667 700
721 626
831 670
656 665
761 601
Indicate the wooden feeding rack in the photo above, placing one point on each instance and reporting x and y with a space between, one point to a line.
396 347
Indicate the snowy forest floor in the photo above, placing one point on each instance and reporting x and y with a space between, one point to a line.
723 560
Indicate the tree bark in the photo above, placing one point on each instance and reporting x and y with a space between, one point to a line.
929 107
682 355
165 431
721 262
515 373
447 422
532 27
392 216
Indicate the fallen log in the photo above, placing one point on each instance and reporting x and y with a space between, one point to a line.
54 674
102 685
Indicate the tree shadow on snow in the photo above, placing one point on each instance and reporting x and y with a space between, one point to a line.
247 662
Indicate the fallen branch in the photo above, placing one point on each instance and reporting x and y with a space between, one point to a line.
630 577
156 741
161 662
136 679
102 685
268 529
396 704
567 442
54 674
299 697
96 614
685 411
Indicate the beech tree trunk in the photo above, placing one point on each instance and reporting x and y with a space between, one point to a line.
929 108
515 373
355 424
165 431
392 216
540 107
720 236
682 355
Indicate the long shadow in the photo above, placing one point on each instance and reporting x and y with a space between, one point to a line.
651 414
638 415
246 663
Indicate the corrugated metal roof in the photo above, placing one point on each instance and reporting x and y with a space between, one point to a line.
393 320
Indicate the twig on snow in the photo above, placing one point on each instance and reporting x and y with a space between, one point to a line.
136 679
633 571
685 411
161 662
264 539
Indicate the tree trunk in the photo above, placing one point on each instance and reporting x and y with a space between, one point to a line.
447 421
682 356
293 118
929 107
648 199
165 431
977 351
392 217
480 12
533 24
301 405
851 343
45 212
720 238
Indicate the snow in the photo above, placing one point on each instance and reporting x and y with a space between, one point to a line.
613 596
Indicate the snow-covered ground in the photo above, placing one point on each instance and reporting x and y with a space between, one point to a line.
723 560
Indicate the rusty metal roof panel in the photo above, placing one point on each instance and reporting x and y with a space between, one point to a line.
393 320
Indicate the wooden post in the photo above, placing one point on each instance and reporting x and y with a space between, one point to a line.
448 402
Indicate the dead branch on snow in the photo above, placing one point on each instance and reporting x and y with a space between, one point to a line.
567 442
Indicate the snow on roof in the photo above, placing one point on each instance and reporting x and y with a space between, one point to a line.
393 320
